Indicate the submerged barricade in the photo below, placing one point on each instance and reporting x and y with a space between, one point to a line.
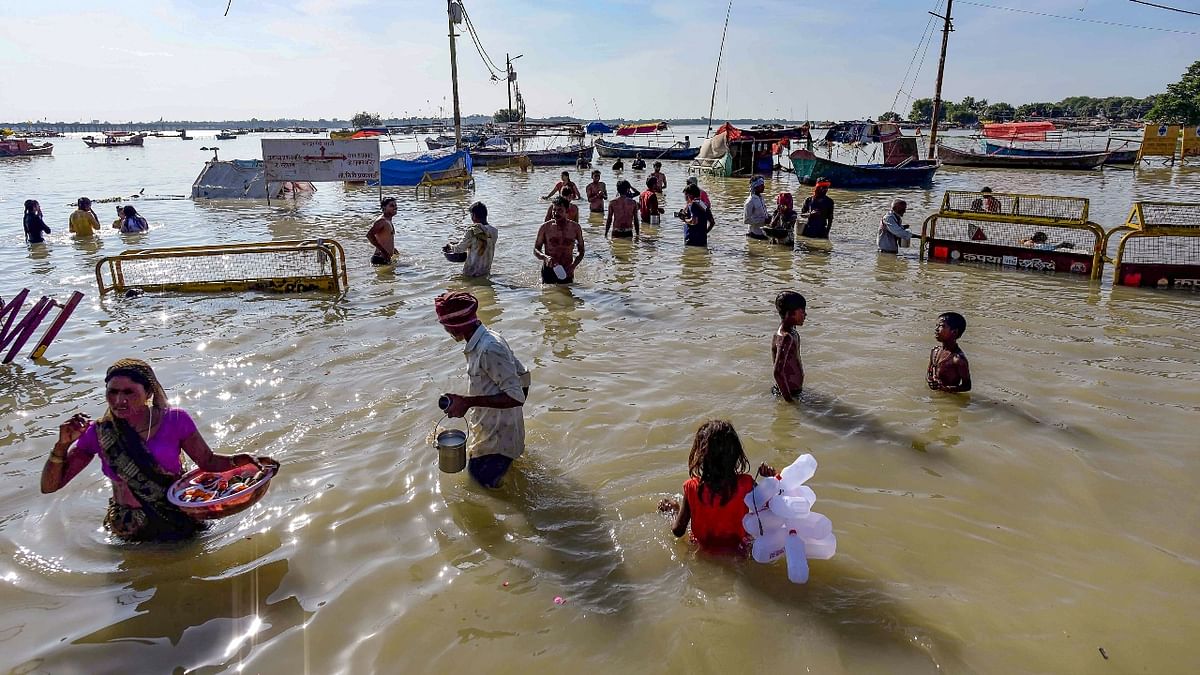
1032 232
1159 247
295 266
20 333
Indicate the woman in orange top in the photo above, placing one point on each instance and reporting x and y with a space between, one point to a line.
713 495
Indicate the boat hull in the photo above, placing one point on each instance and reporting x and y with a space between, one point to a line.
951 157
627 151
808 164
131 142
554 157
1114 156
22 148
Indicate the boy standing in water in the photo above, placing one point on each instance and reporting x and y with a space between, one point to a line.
597 192
785 345
382 234
948 368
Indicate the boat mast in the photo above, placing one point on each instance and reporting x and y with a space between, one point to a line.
454 15
713 103
937 92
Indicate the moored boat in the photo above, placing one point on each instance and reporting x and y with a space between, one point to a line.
628 151
954 157
901 166
226 136
809 166
566 156
116 139
23 148
1114 156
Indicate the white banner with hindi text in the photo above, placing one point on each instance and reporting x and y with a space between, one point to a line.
321 159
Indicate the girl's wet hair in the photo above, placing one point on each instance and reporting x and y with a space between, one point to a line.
83 201
129 212
788 302
717 458
30 205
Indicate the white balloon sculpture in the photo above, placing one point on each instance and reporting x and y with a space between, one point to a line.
782 522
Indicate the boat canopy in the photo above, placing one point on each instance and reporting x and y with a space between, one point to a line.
862 132
598 128
773 134
641 128
1018 131
410 168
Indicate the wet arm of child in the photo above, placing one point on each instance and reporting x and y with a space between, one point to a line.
780 379
681 521
608 221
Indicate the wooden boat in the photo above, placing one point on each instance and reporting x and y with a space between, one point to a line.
226 136
743 152
952 157
23 148
915 172
116 139
444 141
648 152
553 157
1114 156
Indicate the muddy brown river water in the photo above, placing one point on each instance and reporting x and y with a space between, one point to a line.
1046 516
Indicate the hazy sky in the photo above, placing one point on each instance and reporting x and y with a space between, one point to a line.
838 59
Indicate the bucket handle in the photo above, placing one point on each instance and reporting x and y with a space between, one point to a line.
437 425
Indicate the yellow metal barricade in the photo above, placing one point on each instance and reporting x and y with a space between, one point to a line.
1160 247
1031 232
457 178
294 266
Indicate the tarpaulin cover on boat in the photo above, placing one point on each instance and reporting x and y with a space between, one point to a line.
772 134
597 128
641 128
1018 131
862 132
407 169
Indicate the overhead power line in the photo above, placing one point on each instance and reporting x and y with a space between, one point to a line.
1170 9
1079 18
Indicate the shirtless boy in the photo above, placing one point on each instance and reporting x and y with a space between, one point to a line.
382 234
948 368
556 241
597 192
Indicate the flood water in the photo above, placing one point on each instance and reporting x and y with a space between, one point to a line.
1046 516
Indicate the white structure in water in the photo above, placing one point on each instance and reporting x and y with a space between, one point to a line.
242 179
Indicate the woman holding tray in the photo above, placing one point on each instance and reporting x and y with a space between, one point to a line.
141 441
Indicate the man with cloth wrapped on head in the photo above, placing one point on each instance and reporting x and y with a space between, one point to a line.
498 384
756 209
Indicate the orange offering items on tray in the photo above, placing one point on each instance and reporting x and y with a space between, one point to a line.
208 495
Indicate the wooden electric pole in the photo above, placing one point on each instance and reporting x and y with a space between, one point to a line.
451 9
937 92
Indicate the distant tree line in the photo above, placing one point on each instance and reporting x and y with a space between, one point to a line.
1179 104
971 110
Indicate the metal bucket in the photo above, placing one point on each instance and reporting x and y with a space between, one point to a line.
452 450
